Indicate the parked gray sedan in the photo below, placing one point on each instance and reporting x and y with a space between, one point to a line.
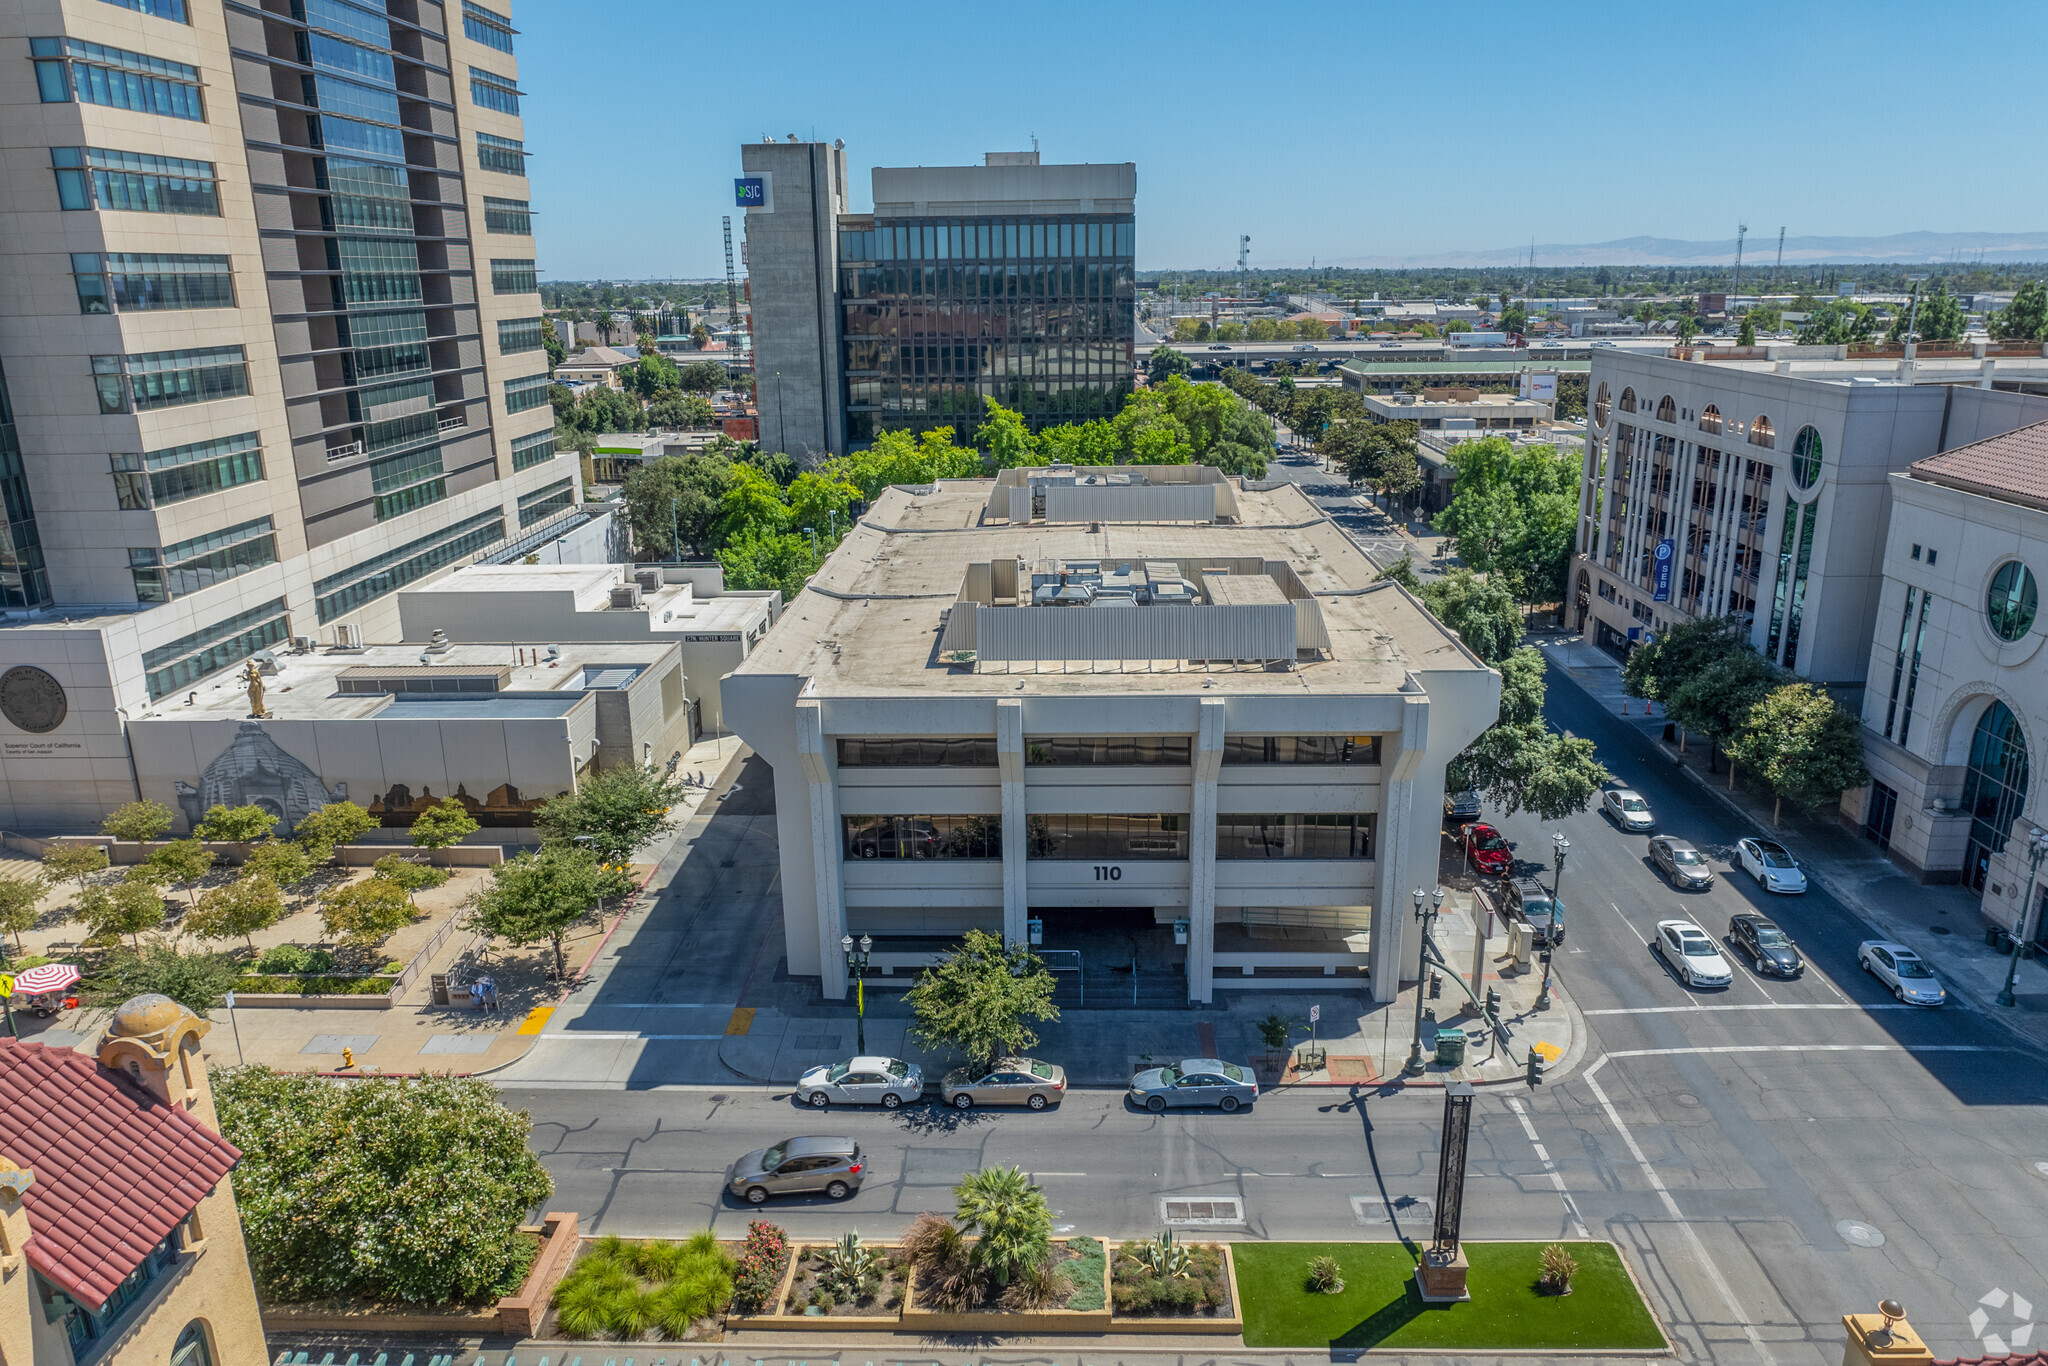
1195 1081
1012 1081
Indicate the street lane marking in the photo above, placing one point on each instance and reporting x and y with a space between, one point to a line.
1775 1005
1543 1156
1631 928
1810 1048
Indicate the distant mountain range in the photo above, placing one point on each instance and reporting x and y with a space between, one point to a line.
1761 249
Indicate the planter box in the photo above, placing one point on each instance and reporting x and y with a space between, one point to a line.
887 1322
517 1315
289 1000
1013 1324
1231 1325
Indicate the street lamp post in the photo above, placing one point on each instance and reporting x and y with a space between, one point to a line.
1559 847
1427 906
857 964
2037 849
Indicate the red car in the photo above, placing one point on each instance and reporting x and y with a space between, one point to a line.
1488 852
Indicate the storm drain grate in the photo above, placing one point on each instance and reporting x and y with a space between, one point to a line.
1377 1209
1202 1213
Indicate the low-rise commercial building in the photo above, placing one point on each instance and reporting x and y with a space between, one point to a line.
1214 748
1457 408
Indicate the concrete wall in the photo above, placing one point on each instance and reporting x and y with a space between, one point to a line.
792 283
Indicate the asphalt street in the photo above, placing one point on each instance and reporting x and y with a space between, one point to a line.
1771 1155
1374 531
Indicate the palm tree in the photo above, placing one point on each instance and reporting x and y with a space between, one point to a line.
1010 1216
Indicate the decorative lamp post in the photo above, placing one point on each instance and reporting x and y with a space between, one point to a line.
857 964
1427 907
1559 847
2037 849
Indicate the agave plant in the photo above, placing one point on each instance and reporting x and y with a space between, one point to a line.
848 1264
1164 1257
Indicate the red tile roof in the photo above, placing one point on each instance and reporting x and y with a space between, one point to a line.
2010 1359
115 1168
2012 467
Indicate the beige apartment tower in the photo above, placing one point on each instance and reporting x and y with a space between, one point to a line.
270 349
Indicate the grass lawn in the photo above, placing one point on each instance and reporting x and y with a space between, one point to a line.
1380 1306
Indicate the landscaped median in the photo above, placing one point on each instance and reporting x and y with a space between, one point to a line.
1511 1309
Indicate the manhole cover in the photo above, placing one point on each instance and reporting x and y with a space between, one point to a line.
1202 1213
1686 1098
1859 1233
1939 929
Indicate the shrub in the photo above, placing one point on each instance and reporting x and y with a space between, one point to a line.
1085 1271
760 1267
282 958
621 1289
1324 1275
1559 1266
1037 1286
930 1238
1137 1289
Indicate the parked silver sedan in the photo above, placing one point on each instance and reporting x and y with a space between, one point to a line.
888 1082
1012 1081
1195 1081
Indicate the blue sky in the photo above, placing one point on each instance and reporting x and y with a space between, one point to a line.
1326 131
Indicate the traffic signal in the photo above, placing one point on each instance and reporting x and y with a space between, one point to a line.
1535 1074
1436 985
1493 1005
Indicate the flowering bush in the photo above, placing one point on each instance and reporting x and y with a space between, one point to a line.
760 1267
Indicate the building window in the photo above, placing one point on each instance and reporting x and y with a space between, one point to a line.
1710 419
520 334
1109 837
2012 601
133 282
99 178
150 380
1667 411
917 752
513 277
1602 401
500 154
202 561
156 478
190 658
488 27
1760 433
173 10
1627 402
1806 455
1913 670
1301 749
191 1348
68 69
545 502
525 393
493 92
1994 788
951 837
535 449
512 216
1891 706
1322 834
1123 749
1782 592
389 505
342 17
338 594
1807 522
24 582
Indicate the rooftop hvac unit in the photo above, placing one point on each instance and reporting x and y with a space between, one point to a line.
305 642
648 579
625 595
266 661
348 636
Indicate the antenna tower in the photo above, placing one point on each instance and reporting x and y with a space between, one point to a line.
1781 257
732 288
1244 256
1741 231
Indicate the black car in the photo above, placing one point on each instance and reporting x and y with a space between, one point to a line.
1461 807
1530 902
1769 948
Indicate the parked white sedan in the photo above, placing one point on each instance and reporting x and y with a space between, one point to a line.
1691 954
1903 970
1771 864
887 1082
1627 809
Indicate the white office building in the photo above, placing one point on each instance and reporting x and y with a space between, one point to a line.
1134 716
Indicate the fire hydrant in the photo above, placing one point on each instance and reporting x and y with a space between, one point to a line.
348 1057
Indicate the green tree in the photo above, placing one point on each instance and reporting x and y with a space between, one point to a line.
1481 610
651 374
539 897
324 828
364 914
244 906
1512 512
242 825
616 811
139 821
1941 316
19 896
820 502
898 457
1164 363
1804 748
1005 439
981 998
680 410
1686 328
782 562
1393 461
442 824
410 874
1008 1216
1717 699
284 862
1747 336
676 496
1659 665
702 377
74 862
182 862
195 981
551 341
126 907
2026 318
411 1191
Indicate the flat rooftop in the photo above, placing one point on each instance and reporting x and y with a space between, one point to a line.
308 684
1820 363
869 622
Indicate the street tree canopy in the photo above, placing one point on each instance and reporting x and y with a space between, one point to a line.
981 998
444 823
2026 318
537 898
1512 512
140 821
336 823
244 906
616 811
409 1191
235 824
364 914
1804 748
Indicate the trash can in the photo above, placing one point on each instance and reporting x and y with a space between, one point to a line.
1450 1047
1992 934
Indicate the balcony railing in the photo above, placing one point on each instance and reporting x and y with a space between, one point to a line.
453 424
353 448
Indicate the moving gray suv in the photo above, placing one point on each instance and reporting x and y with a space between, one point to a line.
798 1166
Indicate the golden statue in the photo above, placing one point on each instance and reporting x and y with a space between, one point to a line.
253 676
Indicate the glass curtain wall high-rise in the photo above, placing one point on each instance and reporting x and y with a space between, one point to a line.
941 314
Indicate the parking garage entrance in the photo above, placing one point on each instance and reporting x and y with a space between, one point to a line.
1111 957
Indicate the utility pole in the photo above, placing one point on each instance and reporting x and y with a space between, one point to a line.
1781 257
1244 256
1741 232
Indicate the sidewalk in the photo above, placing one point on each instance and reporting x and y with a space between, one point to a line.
1940 923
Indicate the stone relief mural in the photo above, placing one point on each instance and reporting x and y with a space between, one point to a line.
254 770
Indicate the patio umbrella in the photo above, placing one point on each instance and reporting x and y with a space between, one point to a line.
49 977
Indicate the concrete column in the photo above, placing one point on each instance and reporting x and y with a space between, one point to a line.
1407 852
825 851
1208 763
1016 833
